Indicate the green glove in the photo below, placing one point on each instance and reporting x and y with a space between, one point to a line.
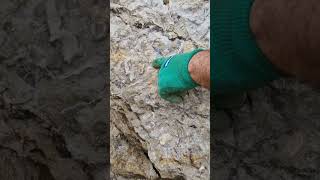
174 78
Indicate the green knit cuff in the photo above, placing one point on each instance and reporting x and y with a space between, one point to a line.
237 63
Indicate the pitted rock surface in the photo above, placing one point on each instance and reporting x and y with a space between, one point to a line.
53 90
169 140
275 135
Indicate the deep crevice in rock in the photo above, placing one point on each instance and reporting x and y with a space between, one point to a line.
153 166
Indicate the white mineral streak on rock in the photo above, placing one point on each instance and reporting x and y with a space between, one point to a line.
165 138
151 137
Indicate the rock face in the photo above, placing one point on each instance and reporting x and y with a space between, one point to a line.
274 135
53 90
151 138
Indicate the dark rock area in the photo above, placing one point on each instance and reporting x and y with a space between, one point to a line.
275 135
53 64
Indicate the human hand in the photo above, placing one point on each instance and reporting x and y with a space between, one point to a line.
174 78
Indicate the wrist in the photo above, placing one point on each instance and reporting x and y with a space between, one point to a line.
184 68
199 68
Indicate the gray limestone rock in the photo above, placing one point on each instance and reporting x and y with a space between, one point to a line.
274 135
165 140
52 90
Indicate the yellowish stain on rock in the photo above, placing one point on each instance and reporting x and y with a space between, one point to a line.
118 55
186 159
133 163
188 46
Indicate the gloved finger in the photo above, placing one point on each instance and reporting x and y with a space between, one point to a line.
157 63
172 96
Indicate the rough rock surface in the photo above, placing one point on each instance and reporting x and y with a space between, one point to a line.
275 135
151 138
52 90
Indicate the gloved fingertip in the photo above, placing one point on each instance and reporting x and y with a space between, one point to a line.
157 63
173 98
176 99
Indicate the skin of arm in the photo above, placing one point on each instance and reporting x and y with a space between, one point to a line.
287 32
199 68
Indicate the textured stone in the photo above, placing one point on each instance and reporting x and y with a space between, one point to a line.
174 138
274 135
52 90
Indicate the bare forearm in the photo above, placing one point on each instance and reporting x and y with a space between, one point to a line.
287 31
199 68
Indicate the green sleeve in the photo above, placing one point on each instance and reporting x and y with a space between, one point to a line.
237 64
